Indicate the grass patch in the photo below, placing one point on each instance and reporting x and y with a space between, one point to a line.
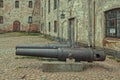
118 60
27 57
114 58
16 34
26 34
48 37
37 58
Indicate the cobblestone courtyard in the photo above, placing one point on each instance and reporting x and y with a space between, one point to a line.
13 67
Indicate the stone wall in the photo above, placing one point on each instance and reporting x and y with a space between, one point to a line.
11 14
89 26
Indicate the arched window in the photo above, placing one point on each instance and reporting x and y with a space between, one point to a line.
1 3
113 23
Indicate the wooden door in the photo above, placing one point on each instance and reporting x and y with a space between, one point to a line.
16 26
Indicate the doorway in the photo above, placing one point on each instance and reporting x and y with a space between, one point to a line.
16 26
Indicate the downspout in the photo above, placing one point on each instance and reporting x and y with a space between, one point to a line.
45 19
94 27
89 25
58 21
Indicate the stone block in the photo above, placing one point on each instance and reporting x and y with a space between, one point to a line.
62 67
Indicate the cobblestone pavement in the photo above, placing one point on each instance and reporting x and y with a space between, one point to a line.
13 67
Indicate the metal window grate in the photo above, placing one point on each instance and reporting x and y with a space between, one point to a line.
113 23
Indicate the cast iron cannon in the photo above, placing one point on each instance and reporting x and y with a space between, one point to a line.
79 54
43 46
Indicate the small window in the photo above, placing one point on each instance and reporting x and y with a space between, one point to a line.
55 26
30 4
49 26
1 3
113 23
42 26
30 19
55 4
16 4
1 19
42 12
48 6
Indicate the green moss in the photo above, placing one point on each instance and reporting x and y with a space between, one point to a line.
114 58
37 58
27 57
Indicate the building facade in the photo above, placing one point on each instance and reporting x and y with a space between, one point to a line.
18 15
87 22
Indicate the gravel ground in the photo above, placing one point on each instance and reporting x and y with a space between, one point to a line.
13 67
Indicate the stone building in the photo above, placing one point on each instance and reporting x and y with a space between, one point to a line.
87 22
15 15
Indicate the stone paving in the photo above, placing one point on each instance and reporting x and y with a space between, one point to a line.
14 67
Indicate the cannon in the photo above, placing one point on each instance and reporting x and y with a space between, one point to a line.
43 46
79 54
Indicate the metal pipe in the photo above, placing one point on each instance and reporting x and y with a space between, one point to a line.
79 54
89 24
94 26
43 46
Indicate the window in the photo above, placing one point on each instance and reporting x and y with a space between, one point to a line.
42 25
30 4
1 3
1 19
16 4
30 19
55 26
49 26
113 23
42 11
55 4
48 6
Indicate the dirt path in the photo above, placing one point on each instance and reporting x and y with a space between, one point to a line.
13 67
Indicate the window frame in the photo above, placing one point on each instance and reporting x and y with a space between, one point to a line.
49 26
55 4
30 19
17 4
49 6
1 3
112 23
55 26
30 4
1 19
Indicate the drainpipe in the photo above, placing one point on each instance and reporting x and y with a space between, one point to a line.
89 25
58 21
94 26
44 31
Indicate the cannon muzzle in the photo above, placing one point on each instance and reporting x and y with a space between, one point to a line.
79 54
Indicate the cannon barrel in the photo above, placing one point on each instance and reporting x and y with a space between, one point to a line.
81 54
43 46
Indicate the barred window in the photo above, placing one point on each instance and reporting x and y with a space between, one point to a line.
1 3
1 19
113 23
